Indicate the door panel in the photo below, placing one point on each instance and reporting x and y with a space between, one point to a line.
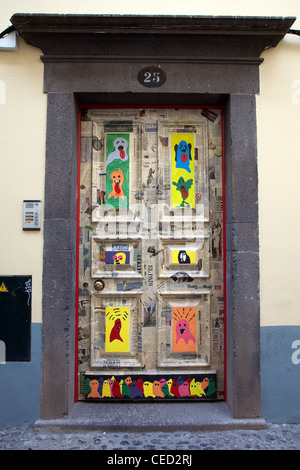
151 310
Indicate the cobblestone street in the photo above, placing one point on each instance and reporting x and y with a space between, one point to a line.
274 437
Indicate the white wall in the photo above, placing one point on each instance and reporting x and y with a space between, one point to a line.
22 159
278 109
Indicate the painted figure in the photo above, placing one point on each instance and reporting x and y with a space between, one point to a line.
183 187
94 393
115 390
148 389
175 389
128 381
120 151
184 389
117 170
182 170
117 178
183 331
138 387
162 382
183 257
119 258
117 325
183 155
196 389
204 383
116 330
135 392
165 390
106 392
169 382
157 390
125 390
211 387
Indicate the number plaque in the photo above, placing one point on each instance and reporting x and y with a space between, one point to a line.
152 77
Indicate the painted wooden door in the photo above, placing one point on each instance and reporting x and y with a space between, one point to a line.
151 239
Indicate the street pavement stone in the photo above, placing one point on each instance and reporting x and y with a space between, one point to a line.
273 437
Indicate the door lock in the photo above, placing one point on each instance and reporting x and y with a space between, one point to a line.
99 284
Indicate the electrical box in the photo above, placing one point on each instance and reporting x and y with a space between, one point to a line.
32 215
15 318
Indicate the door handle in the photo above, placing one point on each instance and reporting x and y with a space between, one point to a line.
99 285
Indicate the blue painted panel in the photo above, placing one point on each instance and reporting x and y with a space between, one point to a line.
280 373
20 384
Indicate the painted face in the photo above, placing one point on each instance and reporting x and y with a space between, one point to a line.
182 326
128 381
183 151
139 383
183 155
183 257
183 331
121 145
119 258
117 178
94 384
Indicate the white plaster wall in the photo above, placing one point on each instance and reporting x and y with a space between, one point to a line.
278 111
22 159
22 143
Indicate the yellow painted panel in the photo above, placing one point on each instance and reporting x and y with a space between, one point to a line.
182 166
117 329
184 257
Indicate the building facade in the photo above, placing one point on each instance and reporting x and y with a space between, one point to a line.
119 317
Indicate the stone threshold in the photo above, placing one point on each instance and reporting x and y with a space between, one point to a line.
149 417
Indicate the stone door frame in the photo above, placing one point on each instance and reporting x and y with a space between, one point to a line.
94 59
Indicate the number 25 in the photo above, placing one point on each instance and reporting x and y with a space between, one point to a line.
151 77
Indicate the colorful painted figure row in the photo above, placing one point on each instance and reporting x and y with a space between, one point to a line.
128 388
